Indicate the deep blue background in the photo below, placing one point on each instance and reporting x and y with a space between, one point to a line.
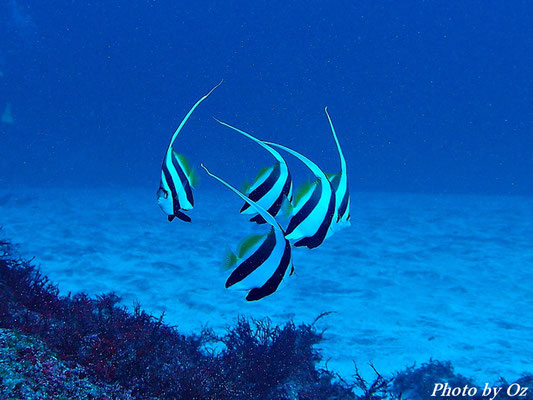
427 96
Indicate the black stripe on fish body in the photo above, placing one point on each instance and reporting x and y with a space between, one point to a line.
183 179
284 193
317 239
274 208
170 182
344 205
307 209
254 261
274 281
258 219
182 216
264 187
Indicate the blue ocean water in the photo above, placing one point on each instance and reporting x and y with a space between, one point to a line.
427 96
432 102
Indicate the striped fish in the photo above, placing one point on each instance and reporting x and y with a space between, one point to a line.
314 207
339 182
272 185
177 177
262 261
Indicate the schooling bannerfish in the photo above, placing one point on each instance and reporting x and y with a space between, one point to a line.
262 261
339 182
272 185
177 177
314 209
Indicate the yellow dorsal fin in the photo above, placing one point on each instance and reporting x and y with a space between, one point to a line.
263 172
302 191
183 162
287 209
330 175
246 186
187 168
248 243
193 178
230 259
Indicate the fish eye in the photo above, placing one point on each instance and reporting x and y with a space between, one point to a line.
162 193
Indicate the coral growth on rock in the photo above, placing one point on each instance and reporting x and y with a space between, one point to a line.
30 370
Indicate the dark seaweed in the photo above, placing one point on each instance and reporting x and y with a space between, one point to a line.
418 383
153 360
379 389
143 357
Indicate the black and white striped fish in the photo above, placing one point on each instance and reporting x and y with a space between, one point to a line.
177 177
262 261
339 182
314 207
272 185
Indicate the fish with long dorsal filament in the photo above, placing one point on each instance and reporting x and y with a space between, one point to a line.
177 177
271 186
314 209
262 261
339 182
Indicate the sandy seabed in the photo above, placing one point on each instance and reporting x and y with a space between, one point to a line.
417 276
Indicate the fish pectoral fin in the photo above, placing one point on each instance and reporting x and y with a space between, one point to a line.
170 218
